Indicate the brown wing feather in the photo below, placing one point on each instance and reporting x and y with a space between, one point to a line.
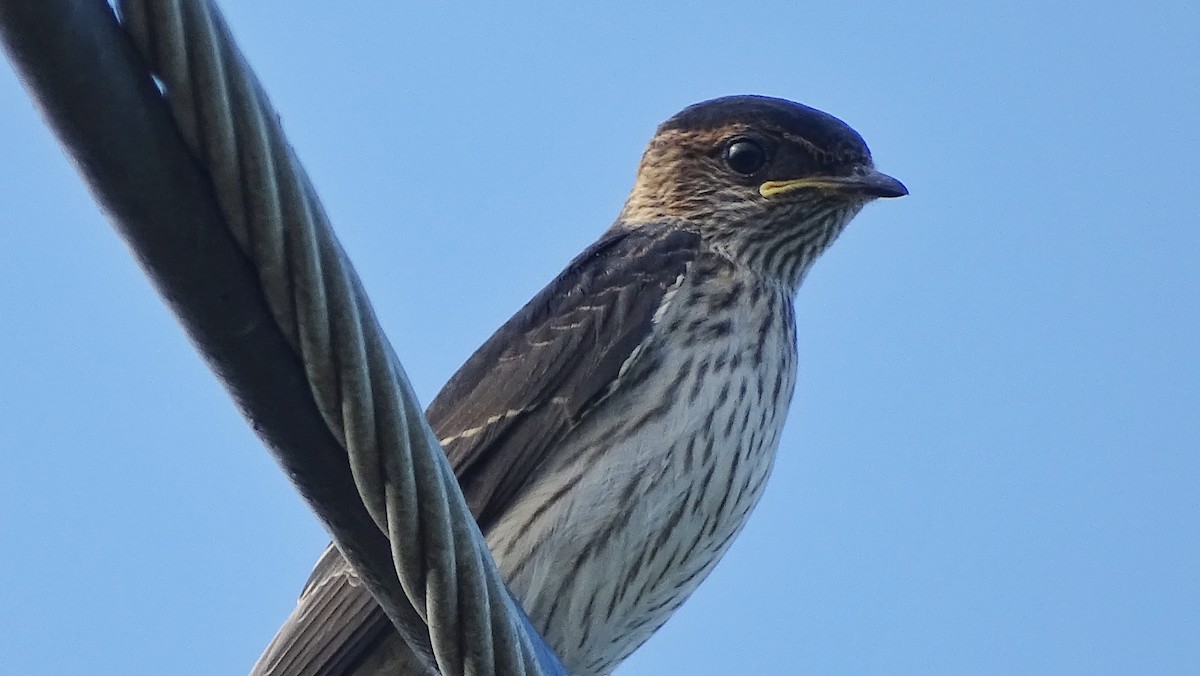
500 416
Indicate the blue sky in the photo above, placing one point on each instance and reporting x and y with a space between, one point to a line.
992 459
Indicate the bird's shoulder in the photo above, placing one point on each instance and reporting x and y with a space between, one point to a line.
648 258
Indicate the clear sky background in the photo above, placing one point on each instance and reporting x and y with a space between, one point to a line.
992 462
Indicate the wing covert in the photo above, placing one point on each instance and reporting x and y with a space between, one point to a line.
503 412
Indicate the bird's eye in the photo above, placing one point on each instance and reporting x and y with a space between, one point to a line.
745 157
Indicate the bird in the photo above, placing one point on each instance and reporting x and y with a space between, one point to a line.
613 436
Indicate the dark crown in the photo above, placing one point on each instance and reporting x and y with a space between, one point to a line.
827 134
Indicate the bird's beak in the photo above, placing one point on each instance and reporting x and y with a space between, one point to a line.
870 182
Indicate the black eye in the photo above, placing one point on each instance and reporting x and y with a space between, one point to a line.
745 157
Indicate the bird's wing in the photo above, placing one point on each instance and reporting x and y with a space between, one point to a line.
500 416
335 622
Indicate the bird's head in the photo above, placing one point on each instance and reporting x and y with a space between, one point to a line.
766 181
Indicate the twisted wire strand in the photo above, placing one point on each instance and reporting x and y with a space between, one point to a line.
443 565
